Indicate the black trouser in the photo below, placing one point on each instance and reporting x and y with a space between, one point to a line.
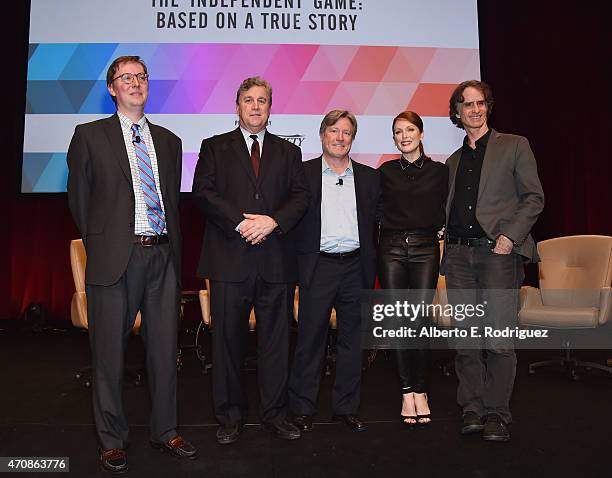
150 285
231 304
478 275
335 283
411 260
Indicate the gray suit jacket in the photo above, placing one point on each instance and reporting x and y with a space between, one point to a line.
101 195
510 196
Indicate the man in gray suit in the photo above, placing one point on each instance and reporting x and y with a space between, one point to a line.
124 177
494 199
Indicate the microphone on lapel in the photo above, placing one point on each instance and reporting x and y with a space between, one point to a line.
340 182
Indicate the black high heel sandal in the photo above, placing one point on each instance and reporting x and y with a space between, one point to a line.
426 418
405 418
408 424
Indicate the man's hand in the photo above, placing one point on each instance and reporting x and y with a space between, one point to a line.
256 227
503 245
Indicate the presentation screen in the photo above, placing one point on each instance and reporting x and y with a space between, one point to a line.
375 58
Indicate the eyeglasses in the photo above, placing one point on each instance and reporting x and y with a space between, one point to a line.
128 78
471 104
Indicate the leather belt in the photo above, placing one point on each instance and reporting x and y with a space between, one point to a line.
148 241
340 255
408 232
470 241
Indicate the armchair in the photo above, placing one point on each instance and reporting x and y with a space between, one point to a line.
575 293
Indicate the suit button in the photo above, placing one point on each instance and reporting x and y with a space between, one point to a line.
257 196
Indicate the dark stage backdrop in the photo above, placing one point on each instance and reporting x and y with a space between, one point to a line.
550 67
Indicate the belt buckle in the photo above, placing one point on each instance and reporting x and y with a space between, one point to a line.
143 240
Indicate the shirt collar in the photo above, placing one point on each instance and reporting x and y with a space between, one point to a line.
327 170
480 142
128 122
247 135
418 163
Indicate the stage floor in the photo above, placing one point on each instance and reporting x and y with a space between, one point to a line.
561 428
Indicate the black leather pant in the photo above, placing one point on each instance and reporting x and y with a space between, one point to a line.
411 260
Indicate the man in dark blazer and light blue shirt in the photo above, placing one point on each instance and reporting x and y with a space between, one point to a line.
124 177
336 260
495 198
250 186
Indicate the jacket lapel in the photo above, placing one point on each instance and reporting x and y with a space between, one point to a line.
487 163
115 138
162 155
242 154
453 164
316 184
361 198
269 152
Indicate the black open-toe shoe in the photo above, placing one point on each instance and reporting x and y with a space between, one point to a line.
408 424
423 420
427 419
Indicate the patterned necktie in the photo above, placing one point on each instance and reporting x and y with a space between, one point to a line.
155 214
255 156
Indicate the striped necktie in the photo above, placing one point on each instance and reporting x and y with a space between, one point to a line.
155 214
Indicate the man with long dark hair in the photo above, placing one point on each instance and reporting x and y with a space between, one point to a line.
495 197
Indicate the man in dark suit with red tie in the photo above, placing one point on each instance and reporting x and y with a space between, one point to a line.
124 177
336 260
250 186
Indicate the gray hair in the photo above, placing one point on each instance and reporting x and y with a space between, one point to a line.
334 116
249 83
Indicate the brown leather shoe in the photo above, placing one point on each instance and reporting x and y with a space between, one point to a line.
179 447
114 460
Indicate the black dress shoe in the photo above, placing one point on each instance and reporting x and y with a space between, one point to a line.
303 422
114 460
229 433
471 423
352 421
495 429
284 430
178 446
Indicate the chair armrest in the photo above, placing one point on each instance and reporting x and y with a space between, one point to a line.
78 310
441 299
605 305
205 306
530 297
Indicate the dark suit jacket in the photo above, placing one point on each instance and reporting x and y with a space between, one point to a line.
510 196
101 195
308 231
225 187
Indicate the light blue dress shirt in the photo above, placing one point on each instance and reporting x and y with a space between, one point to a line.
339 226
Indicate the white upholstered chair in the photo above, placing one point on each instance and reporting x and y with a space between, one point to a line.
575 275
